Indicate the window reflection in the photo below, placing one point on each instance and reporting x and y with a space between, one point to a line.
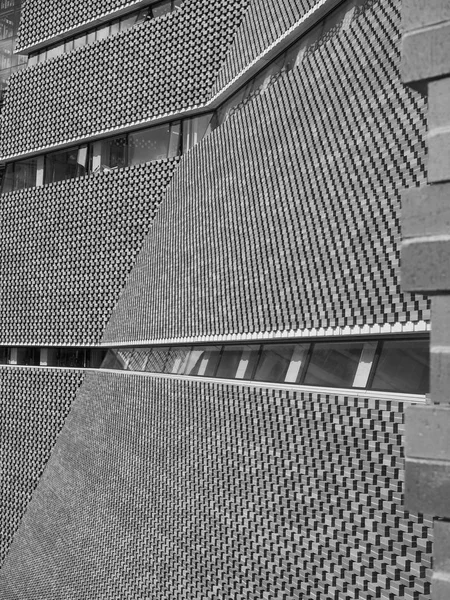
176 360
157 359
403 366
238 362
333 364
66 164
19 175
274 362
203 361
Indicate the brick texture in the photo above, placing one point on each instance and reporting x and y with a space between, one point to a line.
286 217
156 68
203 490
33 406
67 249
43 20
263 24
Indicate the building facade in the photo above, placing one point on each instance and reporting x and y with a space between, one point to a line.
206 352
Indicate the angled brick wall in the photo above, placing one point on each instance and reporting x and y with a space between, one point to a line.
287 217
263 24
67 249
156 68
166 489
33 406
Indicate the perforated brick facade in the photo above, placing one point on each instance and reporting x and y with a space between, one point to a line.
34 404
283 219
202 490
44 21
67 249
157 68
286 217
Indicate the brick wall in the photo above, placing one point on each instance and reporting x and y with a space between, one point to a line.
159 67
162 488
67 249
33 406
287 216
426 268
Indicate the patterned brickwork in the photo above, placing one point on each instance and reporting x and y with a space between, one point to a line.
159 67
263 24
200 490
67 249
33 406
286 217
42 20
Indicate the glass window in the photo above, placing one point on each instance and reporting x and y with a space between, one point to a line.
6 52
176 4
95 358
128 21
149 144
79 40
102 32
91 36
25 173
114 153
247 364
229 361
156 360
175 139
115 27
162 8
136 358
42 57
32 59
8 179
6 26
70 357
66 164
333 364
274 362
55 50
195 129
202 361
4 356
28 356
142 16
403 366
115 359
298 359
68 45
176 360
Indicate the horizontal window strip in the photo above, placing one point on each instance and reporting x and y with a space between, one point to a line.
397 364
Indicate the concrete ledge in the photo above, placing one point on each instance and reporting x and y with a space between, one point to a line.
440 315
439 155
426 55
441 554
426 211
427 487
426 265
420 13
440 584
427 432
440 375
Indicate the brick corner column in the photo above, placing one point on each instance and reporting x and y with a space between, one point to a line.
426 269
